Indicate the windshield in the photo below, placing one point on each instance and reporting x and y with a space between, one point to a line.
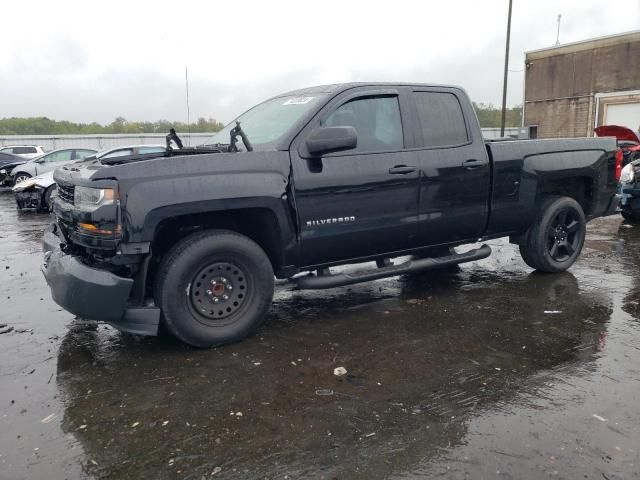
268 121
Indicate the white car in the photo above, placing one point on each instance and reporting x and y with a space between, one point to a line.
48 162
35 192
24 151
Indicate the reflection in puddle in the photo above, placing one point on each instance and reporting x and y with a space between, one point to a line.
420 365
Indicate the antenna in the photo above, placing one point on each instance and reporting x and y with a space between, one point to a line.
186 81
558 35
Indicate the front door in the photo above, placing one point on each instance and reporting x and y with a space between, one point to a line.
363 201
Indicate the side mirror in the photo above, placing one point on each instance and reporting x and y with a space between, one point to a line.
39 161
331 139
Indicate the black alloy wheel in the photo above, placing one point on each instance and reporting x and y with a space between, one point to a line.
564 235
556 237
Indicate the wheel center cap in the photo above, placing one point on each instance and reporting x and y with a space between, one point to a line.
218 290
560 234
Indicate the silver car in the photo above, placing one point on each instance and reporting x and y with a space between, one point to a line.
37 192
49 162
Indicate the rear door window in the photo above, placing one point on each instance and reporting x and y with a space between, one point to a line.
441 119
376 120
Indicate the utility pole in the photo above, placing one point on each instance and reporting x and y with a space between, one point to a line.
558 35
506 73
186 81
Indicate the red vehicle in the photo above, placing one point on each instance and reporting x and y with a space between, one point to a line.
629 186
627 139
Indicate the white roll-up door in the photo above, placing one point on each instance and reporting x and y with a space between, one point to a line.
623 114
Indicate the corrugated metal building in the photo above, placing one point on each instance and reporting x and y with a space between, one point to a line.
573 88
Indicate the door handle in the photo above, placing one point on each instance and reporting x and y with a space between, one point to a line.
473 163
402 169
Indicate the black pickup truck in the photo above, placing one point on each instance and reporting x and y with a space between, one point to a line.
325 176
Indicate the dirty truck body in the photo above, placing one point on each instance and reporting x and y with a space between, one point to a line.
335 175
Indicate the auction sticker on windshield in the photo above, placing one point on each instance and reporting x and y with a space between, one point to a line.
298 100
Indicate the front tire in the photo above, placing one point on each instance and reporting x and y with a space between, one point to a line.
47 205
21 177
214 287
555 241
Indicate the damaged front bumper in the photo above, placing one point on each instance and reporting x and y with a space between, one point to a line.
32 198
91 293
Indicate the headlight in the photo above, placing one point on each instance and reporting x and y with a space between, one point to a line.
627 174
3 171
92 198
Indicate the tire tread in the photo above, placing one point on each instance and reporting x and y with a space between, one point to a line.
532 250
181 248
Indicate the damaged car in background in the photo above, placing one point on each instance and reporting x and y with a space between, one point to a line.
8 161
35 192
627 140
629 144
49 162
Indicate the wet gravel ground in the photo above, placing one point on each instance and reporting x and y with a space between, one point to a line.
486 371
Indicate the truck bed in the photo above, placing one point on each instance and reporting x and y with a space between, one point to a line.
520 166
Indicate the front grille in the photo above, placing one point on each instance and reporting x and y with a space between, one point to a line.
65 228
66 192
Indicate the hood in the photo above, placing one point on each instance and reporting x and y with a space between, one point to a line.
12 163
621 133
82 170
43 181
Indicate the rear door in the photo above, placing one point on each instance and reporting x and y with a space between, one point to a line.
363 201
454 167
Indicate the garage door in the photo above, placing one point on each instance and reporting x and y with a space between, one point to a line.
624 114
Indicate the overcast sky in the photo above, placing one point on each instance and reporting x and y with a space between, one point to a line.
92 61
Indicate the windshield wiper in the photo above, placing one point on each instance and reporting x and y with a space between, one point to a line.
235 131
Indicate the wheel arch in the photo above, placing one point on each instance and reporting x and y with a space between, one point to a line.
260 224
581 188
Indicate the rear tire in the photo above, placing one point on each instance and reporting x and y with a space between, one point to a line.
214 287
556 238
